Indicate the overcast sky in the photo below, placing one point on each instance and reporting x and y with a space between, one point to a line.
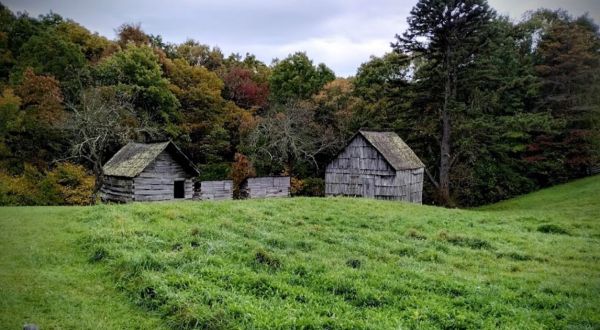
340 33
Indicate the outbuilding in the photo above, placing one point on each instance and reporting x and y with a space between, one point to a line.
376 165
148 172
266 187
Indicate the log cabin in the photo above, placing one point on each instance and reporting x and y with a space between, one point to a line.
148 172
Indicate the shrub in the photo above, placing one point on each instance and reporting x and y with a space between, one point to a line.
241 169
66 184
29 188
296 186
75 185
308 187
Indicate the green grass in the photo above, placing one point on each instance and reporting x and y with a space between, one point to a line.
46 279
531 262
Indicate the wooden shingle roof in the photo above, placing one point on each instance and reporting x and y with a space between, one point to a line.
395 151
133 158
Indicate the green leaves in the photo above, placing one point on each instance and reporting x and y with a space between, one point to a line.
295 78
137 70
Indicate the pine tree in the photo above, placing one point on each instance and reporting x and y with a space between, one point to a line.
447 34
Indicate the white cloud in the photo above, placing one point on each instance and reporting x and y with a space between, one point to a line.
340 53
340 33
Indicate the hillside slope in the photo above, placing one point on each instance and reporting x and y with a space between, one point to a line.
531 262
46 279
356 263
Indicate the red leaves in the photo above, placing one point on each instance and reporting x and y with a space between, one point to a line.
245 89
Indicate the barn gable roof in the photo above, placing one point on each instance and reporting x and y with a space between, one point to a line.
133 158
393 149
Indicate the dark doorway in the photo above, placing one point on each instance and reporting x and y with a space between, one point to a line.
179 189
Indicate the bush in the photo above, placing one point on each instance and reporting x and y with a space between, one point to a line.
66 184
241 169
75 185
30 188
308 187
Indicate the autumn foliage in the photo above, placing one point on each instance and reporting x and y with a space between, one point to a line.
494 107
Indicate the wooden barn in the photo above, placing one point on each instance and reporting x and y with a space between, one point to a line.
376 165
268 186
148 172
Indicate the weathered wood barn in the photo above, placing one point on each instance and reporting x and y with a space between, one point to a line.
376 165
148 172
263 187
216 190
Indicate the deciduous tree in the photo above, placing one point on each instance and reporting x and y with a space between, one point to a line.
296 78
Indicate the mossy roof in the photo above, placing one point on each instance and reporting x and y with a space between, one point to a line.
395 151
133 158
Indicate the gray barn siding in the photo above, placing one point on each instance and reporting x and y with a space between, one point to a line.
117 189
216 190
360 170
264 187
157 181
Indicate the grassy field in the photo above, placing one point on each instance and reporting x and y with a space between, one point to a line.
531 262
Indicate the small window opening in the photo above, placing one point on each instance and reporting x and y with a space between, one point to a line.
179 191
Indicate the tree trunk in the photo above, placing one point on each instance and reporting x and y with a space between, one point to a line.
444 185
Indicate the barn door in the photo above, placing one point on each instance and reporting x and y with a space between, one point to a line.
179 189
368 185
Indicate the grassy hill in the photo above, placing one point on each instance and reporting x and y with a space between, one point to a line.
530 262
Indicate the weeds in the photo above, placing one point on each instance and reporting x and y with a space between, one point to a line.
265 258
552 229
415 234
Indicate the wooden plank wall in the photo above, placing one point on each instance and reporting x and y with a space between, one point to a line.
266 187
116 189
359 157
360 170
216 190
156 182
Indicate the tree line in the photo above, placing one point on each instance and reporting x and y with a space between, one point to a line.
493 107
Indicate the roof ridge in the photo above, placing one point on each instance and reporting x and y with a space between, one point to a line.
134 157
393 149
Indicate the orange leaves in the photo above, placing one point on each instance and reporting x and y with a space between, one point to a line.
41 97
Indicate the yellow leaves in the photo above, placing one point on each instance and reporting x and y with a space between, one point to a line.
10 118
296 185
9 98
193 78
66 184
74 184
241 169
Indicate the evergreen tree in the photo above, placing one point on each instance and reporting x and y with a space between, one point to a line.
567 62
448 35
